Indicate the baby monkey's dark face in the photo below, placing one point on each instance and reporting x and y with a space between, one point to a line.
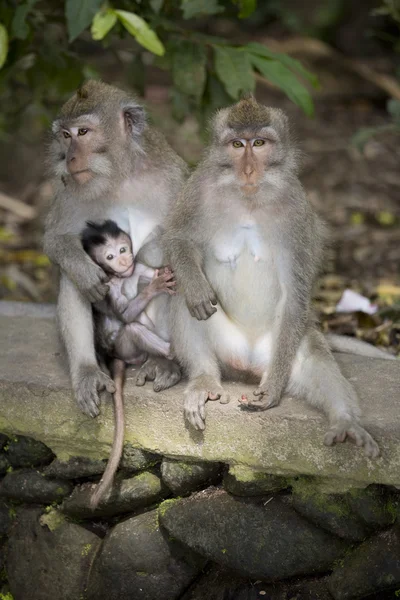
116 256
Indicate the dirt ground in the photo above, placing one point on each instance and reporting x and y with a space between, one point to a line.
357 193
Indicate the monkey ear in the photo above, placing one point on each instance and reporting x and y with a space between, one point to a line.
134 119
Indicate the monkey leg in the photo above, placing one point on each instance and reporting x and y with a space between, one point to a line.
135 336
194 351
75 321
316 377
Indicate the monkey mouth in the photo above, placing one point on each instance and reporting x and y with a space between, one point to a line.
82 176
128 271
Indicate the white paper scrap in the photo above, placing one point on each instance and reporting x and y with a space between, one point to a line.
351 302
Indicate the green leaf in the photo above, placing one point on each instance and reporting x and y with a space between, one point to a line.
197 8
393 107
103 21
19 26
246 7
140 30
156 5
234 69
180 105
79 14
189 68
3 45
288 61
282 77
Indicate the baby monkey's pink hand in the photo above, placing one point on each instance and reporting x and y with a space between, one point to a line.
163 281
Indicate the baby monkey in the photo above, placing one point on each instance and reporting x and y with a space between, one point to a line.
124 332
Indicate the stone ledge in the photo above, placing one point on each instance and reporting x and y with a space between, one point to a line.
36 401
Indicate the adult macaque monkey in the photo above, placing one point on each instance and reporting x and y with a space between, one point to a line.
107 162
243 234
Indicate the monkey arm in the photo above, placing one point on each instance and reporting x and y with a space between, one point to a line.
129 310
186 261
67 252
163 282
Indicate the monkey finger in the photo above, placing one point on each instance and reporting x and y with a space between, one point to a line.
210 310
110 387
214 300
202 312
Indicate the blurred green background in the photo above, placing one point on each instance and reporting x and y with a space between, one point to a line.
333 65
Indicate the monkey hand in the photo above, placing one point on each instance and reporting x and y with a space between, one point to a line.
92 282
87 385
201 300
163 281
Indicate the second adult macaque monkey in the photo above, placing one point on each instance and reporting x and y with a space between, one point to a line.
243 234
123 330
107 162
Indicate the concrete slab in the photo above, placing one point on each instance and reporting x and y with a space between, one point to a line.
36 400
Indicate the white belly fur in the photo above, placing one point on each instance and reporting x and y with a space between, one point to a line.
244 275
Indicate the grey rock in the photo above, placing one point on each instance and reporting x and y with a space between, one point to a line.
126 495
268 542
33 487
372 568
223 584
330 512
4 464
75 468
24 451
242 481
44 564
5 518
182 478
138 561
287 439
135 459
376 506
3 440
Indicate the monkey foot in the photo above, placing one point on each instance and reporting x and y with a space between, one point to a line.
261 402
355 433
91 381
223 398
165 373
195 400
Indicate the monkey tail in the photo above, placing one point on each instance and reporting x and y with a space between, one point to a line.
349 345
118 372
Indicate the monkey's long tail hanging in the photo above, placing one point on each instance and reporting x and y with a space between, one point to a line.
118 372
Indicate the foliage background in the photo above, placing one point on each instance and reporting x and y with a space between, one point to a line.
333 65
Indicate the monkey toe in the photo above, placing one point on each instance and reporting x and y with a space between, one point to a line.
140 379
225 399
195 412
355 433
168 374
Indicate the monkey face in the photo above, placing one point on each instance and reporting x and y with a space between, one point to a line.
250 156
82 144
97 137
116 256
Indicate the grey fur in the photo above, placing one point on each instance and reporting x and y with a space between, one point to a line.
258 256
136 177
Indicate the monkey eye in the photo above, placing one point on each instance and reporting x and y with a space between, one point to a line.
237 144
258 143
109 257
82 131
66 134
122 250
